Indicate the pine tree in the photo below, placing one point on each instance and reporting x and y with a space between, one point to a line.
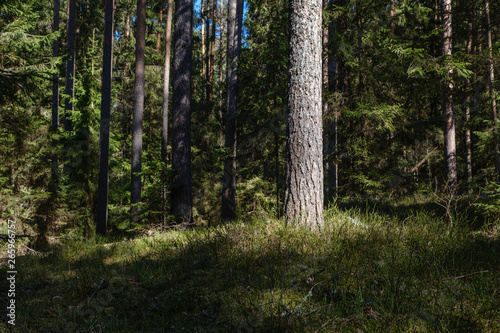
234 24
448 114
304 181
137 122
107 73
181 110
166 94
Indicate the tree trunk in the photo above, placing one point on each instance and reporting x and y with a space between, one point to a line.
492 91
140 45
468 141
160 23
330 130
304 180
55 88
107 71
221 64
234 22
70 65
181 110
166 86
448 115
212 53
203 52
392 13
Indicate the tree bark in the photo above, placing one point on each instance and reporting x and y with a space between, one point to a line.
448 114
221 64
181 110
160 23
107 74
392 13
70 65
330 130
212 53
55 87
468 141
166 87
140 45
304 180
234 22
203 52
492 91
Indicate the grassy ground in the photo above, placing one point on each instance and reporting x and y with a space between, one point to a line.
375 268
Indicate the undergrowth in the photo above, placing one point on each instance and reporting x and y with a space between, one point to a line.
374 268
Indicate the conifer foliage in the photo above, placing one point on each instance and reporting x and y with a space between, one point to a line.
405 102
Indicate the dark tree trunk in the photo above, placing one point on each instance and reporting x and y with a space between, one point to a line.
304 179
203 52
55 88
468 141
392 13
107 71
166 86
330 130
221 63
234 22
492 90
160 23
140 45
70 65
212 53
448 114
181 110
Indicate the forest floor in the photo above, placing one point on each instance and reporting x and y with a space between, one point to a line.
376 267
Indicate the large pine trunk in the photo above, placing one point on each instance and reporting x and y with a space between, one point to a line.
304 180
234 19
181 110
107 71
448 114
140 45
166 93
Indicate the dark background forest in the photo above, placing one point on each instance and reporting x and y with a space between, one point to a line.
384 112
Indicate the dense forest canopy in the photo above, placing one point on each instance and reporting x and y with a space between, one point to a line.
386 85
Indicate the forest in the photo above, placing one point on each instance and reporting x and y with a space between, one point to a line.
249 166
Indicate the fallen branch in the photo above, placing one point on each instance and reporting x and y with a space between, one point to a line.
464 276
423 160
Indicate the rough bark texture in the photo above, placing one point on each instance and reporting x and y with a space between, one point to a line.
107 72
304 180
234 21
492 90
140 45
70 64
181 110
448 114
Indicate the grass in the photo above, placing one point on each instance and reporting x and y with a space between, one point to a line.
381 267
